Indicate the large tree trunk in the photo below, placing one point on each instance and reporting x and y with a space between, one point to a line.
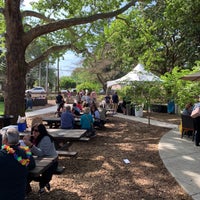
15 57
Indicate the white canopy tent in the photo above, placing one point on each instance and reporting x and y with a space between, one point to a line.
137 74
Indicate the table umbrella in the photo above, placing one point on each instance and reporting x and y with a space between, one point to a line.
192 77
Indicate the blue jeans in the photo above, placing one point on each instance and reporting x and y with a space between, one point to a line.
29 103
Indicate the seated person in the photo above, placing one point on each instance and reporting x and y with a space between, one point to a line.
87 122
102 112
41 144
75 110
96 115
79 105
188 109
67 119
14 171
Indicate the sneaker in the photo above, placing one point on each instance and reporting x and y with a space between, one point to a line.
48 186
41 191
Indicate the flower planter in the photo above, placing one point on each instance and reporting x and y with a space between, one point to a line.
138 111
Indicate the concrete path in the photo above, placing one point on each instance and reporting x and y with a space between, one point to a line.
41 111
182 159
180 156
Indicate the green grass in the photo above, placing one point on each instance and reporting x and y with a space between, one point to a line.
1 108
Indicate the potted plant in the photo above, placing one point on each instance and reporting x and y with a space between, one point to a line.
142 94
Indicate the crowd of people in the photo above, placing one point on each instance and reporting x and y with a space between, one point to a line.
16 159
86 108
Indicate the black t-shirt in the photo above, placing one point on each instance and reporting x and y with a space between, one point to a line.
115 98
59 99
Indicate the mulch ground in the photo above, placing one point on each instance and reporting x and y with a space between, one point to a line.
100 173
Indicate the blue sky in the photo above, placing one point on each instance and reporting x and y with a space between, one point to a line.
70 62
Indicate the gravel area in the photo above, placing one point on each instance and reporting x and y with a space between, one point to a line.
100 173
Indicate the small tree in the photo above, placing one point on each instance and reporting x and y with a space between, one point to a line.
142 93
180 90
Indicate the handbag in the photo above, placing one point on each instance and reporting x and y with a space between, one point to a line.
195 113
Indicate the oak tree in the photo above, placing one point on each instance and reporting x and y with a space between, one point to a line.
18 37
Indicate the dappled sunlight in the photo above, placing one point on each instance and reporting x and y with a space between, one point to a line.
111 125
165 146
100 172
147 164
178 139
126 146
152 147
108 166
142 181
188 158
194 176
100 158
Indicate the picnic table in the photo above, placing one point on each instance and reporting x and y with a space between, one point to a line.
56 121
69 134
42 164
63 137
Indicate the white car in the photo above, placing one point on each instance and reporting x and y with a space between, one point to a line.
37 90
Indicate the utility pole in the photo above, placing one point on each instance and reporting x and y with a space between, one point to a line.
40 74
46 84
58 75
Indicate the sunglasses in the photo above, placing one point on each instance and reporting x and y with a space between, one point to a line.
36 130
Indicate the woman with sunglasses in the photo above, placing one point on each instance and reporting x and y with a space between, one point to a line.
41 144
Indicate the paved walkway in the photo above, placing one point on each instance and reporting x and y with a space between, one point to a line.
41 111
180 156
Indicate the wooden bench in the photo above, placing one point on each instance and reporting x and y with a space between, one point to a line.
42 164
67 153
84 139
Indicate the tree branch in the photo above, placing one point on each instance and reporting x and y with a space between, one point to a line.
29 13
50 50
54 26
123 19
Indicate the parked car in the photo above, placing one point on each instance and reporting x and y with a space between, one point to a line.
73 90
64 91
37 90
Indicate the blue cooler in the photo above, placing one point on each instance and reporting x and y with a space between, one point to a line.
21 127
